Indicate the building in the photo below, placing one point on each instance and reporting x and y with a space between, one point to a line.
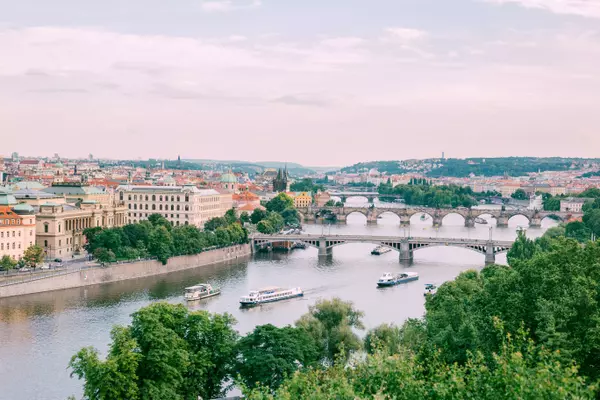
79 191
536 203
17 226
321 198
229 182
281 181
61 219
302 199
181 205
573 204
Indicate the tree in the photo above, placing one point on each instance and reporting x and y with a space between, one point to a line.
244 217
104 255
280 203
385 337
159 220
523 248
269 354
214 223
578 231
330 203
552 204
33 255
7 263
330 324
519 194
167 352
290 217
230 216
258 215
160 243
265 228
591 219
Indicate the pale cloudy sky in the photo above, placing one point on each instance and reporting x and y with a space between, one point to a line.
320 82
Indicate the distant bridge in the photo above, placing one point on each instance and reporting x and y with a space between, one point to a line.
314 214
405 246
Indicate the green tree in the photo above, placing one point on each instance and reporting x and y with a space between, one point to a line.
523 248
552 204
519 194
104 255
330 324
230 216
214 223
160 243
280 203
385 337
167 352
244 217
258 215
265 227
159 220
290 216
578 231
269 354
33 255
7 263
591 219
330 203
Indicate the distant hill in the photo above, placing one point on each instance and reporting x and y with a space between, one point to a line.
454 167
258 167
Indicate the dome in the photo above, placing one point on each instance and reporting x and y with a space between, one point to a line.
6 198
228 178
23 208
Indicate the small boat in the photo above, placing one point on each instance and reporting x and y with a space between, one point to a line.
269 295
430 289
480 220
200 291
389 279
379 250
424 217
299 245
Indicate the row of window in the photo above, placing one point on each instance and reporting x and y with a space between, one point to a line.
14 233
153 197
160 207
146 215
10 222
177 223
8 246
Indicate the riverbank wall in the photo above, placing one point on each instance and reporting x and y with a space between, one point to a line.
122 272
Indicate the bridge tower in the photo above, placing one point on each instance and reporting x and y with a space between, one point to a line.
469 220
535 221
502 221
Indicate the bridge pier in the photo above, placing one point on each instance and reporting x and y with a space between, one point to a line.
490 256
324 251
406 253
502 222
341 218
469 222
535 222
437 221
404 220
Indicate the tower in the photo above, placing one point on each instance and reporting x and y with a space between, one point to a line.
178 161
280 183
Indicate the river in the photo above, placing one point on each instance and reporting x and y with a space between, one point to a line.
39 333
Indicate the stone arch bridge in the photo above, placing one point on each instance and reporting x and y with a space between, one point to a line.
315 214
405 246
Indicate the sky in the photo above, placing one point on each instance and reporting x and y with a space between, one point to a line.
318 82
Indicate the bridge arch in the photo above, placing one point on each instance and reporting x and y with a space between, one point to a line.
463 219
513 215
356 211
381 212
418 215
553 217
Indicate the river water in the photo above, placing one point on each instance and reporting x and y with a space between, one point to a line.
39 333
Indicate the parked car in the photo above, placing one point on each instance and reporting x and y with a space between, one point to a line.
58 265
45 266
58 260
25 269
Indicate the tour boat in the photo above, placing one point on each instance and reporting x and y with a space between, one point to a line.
389 279
424 217
200 291
480 221
269 294
379 250
430 289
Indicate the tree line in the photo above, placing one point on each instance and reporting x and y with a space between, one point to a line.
423 194
523 331
158 238
279 212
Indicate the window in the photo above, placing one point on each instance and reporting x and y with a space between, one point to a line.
135 206
1 246
177 207
60 242
129 206
187 208
172 207
154 206
153 197
146 198
129 197
135 197
187 197
178 198
172 198
160 198
121 196
13 245
30 233
146 207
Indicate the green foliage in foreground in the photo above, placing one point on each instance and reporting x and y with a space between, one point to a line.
166 353
518 371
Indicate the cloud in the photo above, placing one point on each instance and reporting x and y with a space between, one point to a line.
585 8
404 35
302 99
343 42
222 6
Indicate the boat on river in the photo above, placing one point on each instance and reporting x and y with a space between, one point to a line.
424 217
200 291
269 295
430 289
389 279
379 250
480 220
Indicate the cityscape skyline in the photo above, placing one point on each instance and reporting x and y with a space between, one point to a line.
315 83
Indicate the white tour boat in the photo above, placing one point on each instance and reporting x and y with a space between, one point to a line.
200 291
379 250
389 279
270 294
